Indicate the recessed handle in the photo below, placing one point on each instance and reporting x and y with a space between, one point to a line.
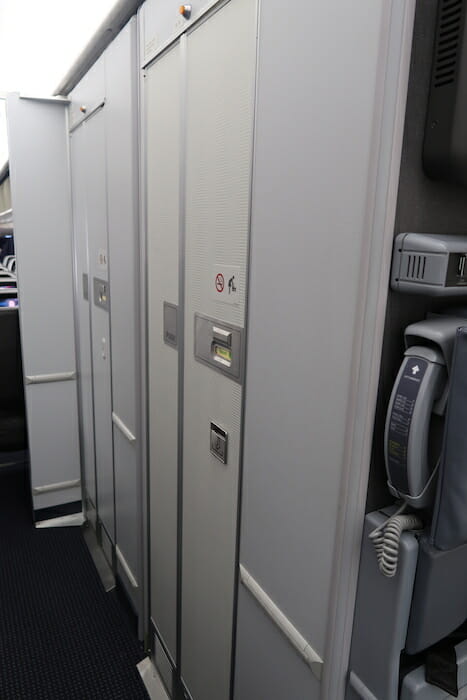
222 335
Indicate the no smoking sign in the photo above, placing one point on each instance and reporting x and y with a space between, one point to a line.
225 284
220 282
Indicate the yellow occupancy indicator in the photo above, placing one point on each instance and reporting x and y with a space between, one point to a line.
223 354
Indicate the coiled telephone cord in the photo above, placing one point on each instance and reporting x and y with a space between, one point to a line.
386 539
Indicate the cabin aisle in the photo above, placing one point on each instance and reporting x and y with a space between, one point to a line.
61 634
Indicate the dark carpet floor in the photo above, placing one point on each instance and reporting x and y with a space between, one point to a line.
61 635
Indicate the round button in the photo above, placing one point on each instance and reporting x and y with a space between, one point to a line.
185 11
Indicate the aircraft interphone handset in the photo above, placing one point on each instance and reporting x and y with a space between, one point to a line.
417 394
412 438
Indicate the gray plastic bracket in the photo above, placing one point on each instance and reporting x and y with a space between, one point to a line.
381 618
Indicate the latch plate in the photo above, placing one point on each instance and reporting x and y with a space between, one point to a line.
219 440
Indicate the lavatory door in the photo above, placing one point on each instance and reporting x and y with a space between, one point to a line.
83 320
99 300
163 84
220 72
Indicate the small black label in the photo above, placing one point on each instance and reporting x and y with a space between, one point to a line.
401 419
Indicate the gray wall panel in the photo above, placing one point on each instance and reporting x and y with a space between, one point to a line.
219 119
163 93
127 509
107 157
80 239
120 111
290 679
98 247
394 64
312 173
56 498
53 439
161 22
37 135
120 115
89 92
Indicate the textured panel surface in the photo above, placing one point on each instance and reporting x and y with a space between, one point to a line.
163 167
80 236
53 438
37 135
220 90
313 170
41 201
128 524
120 111
120 115
161 22
289 679
97 232
89 92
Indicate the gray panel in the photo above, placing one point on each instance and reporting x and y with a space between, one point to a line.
55 498
439 604
122 176
107 545
98 267
83 321
37 135
291 679
219 117
161 21
163 86
122 192
309 226
127 509
163 664
449 526
53 440
89 92
395 43
382 615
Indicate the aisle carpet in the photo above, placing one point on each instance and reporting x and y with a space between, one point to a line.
61 635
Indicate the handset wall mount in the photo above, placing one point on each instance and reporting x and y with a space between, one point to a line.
419 385
414 421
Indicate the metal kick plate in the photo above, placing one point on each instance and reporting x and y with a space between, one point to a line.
101 293
170 324
220 346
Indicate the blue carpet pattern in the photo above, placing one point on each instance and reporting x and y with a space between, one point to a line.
61 635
